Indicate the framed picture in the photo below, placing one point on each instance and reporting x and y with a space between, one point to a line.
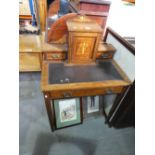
92 104
68 112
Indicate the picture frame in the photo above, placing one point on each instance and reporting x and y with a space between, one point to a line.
92 104
68 112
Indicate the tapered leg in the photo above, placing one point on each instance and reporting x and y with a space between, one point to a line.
50 112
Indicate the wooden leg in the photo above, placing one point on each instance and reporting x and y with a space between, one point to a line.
50 112
104 113
81 109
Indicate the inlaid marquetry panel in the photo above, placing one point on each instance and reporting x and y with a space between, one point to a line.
83 48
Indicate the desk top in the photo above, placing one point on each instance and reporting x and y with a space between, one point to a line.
101 75
102 71
83 24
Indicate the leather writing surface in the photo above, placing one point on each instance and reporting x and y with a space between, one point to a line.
82 73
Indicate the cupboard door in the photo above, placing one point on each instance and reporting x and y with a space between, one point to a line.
83 48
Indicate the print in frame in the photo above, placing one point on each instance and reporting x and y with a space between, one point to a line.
68 112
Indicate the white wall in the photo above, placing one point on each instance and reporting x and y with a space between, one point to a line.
123 57
122 18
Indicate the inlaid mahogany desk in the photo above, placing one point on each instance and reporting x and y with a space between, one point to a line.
60 81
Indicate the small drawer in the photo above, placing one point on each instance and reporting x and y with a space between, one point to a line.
87 92
104 55
54 56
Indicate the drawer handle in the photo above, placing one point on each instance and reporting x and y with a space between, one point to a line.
105 55
55 56
109 91
67 95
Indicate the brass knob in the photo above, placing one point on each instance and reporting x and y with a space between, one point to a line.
55 56
105 55
46 96
67 94
109 91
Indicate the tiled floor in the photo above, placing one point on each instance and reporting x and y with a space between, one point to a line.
93 137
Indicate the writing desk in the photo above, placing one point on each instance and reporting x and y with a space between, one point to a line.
61 81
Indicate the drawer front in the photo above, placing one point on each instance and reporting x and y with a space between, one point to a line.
79 93
54 56
29 62
104 55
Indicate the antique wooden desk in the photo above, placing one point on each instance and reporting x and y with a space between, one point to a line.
64 80
61 81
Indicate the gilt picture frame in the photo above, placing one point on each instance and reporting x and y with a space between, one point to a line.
68 112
